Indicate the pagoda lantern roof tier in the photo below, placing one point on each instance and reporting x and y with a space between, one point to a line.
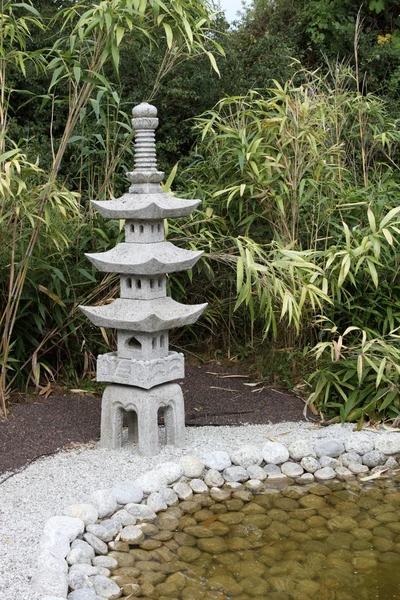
144 259
146 206
159 314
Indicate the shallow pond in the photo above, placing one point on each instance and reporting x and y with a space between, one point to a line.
322 542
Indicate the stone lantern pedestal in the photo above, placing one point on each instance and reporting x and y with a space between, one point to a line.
143 366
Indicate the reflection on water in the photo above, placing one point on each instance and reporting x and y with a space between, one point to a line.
336 542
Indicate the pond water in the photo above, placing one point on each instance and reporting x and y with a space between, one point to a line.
336 542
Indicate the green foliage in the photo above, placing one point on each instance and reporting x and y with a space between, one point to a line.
357 375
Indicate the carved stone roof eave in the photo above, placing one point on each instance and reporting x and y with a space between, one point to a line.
146 206
145 259
159 314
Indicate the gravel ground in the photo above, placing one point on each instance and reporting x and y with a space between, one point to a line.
44 488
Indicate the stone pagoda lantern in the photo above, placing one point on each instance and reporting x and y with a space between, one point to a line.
142 367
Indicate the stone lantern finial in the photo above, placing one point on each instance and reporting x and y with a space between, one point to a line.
143 365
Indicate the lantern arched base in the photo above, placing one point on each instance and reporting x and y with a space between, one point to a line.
142 407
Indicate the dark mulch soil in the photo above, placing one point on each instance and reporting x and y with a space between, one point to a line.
214 395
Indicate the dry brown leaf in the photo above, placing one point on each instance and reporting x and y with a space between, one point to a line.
374 476
215 387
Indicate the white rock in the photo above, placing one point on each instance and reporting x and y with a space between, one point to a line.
391 463
256 472
132 534
254 485
219 460
233 485
279 479
331 448
56 543
105 530
50 583
99 546
192 467
198 486
183 490
141 512
292 469
306 478
108 562
152 481
85 546
269 469
172 471
325 474
77 580
374 458
104 501
123 517
359 443
343 473
69 526
90 570
86 512
52 598
356 468
246 456
275 453
48 561
301 448
328 461
235 474
310 464
213 478
170 497
127 491
156 502
350 457
79 555
388 443
105 587
83 594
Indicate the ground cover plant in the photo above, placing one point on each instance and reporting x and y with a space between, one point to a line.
298 177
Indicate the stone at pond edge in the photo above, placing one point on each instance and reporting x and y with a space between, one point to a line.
69 526
331 448
213 478
172 471
104 501
198 486
256 472
192 466
328 461
301 448
310 464
219 460
99 546
324 474
374 458
292 469
275 453
83 594
127 491
156 502
105 587
141 512
350 457
132 534
183 490
235 474
246 456
152 481
86 512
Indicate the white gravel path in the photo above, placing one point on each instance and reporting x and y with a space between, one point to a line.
42 490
